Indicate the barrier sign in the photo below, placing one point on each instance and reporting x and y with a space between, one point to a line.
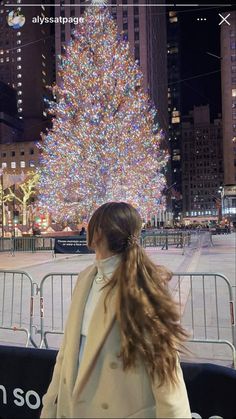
25 374
24 378
71 245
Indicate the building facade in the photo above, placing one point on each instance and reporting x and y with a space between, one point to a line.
26 64
202 165
144 28
228 86
174 110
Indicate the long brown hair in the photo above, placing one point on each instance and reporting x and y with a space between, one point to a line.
147 315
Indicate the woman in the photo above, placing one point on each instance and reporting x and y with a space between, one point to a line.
119 354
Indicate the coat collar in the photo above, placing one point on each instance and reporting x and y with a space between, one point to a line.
99 328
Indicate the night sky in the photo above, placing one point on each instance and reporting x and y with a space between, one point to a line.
197 38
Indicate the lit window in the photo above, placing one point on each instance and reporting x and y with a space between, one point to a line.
18 42
13 164
18 59
18 50
31 163
173 50
233 92
1 52
176 158
233 44
20 109
19 76
173 19
18 33
175 113
19 92
1 60
19 101
22 163
4 165
19 84
7 59
18 67
175 120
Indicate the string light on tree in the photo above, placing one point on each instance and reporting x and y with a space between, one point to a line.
104 143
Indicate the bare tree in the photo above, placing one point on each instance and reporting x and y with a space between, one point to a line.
28 190
4 198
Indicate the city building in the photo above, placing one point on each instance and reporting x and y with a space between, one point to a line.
202 165
7 99
144 28
228 85
11 128
174 110
17 157
27 64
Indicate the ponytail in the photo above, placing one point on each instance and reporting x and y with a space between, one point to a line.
147 315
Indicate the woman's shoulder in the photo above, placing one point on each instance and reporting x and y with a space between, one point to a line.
84 274
86 271
89 270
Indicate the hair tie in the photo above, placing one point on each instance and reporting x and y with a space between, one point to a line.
132 241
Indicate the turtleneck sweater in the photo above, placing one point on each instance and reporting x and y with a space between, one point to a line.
105 270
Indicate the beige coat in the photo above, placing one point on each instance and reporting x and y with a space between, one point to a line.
100 388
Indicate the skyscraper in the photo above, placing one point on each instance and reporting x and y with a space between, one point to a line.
26 64
145 29
202 164
174 109
228 85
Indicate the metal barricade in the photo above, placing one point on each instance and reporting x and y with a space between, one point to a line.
55 293
17 303
206 304
32 244
26 244
166 239
207 309
5 244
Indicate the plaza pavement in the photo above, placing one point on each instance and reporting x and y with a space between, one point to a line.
201 256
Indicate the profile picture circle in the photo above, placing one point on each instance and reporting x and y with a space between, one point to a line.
15 19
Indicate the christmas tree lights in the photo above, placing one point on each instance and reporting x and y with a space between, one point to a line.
104 143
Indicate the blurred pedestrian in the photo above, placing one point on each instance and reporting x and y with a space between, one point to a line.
82 232
119 356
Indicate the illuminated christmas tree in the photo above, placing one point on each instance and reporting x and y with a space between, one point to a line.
104 143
